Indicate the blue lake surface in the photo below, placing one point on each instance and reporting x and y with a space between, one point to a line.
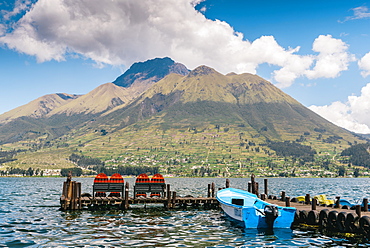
30 217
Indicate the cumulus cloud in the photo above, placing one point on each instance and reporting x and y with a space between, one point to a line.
332 58
364 65
353 115
122 32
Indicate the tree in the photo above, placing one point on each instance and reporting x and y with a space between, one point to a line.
76 172
341 171
356 172
30 172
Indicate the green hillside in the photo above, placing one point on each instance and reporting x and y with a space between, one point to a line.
202 124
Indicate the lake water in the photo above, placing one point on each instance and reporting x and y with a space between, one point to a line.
30 217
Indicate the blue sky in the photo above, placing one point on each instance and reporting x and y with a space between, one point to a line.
316 51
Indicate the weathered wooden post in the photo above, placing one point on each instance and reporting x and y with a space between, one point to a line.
79 195
366 204
265 184
126 206
173 200
253 183
314 204
63 198
249 187
168 196
307 199
256 191
227 183
287 201
358 210
337 202
209 191
76 195
213 189
73 195
282 195
65 189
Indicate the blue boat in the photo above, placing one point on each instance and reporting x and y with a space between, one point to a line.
344 202
252 212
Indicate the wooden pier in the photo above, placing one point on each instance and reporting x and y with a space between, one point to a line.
309 214
72 199
333 218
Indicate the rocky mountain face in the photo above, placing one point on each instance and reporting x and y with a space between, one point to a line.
151 70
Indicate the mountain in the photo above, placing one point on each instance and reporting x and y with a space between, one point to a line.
200 123
206 123
39 107
151 70
102 98
205 97
55 114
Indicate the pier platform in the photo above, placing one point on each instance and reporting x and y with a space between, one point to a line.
310 214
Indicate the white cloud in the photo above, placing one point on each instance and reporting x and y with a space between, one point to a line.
332 58
364 64
353 115
361 12
20 5
2 29
122 32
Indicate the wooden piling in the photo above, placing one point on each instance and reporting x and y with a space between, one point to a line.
358 210
74 195
249 187
213 189
265 184
168 196
253 184
287 201
337 202
69 190
227 183
79 195
126 205
282 195
314 204
173 200
65 192
307 199
366 204
209 191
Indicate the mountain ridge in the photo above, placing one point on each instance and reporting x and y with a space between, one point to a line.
203 119
39 107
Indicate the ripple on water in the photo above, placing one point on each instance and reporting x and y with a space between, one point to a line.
30 217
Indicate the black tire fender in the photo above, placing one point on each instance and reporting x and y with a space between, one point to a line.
352 222
341 221
323 218
313 217
332 220
365 225
303 216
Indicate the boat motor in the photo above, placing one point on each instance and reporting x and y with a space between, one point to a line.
271 213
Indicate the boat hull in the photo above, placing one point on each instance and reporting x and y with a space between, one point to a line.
247 209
